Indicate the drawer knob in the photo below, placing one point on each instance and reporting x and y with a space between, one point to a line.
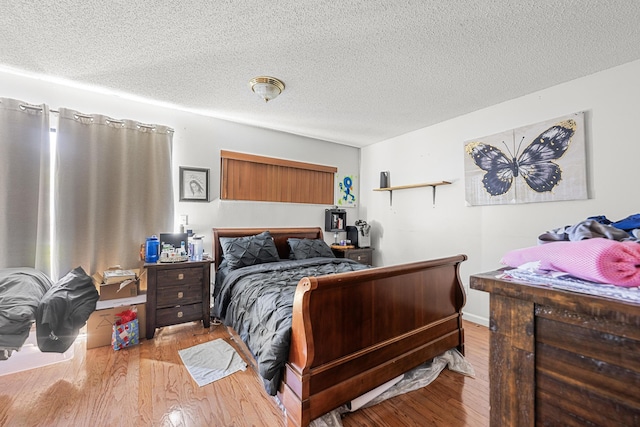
180 294
359 258
180 314
181 276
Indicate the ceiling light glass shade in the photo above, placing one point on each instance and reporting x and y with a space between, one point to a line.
267 87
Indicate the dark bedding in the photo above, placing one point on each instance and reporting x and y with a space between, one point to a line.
257 302
59 309
21 290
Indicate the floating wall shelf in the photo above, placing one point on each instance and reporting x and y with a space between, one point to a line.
433 186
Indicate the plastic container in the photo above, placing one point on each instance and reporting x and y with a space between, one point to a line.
190 248
198 248
152 247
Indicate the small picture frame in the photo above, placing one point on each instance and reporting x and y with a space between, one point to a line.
194 184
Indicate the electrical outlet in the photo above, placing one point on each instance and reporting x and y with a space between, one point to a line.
184 219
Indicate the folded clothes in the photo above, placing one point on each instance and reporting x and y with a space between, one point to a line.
601 219
598 260
629 223
587 229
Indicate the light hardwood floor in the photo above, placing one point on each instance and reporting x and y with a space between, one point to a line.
147 385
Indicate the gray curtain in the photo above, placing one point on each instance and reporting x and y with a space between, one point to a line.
113 188
24 189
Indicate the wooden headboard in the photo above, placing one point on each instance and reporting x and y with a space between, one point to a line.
280 236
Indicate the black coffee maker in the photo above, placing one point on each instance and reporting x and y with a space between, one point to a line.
360 235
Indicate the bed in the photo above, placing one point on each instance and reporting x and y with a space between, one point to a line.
350 331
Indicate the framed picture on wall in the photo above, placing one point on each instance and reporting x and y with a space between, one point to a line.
347 190
194 184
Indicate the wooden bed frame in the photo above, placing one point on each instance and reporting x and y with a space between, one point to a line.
352 332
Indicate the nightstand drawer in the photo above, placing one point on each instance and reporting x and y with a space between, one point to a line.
169 296
363 257
179 314
179 276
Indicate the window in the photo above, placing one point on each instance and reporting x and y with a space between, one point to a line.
267 179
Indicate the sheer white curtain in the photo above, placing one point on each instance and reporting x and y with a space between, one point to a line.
113 188
24 189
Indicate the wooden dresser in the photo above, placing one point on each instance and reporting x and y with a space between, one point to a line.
561 358
177 293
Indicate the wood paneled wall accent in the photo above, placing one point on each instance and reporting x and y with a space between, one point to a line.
267 179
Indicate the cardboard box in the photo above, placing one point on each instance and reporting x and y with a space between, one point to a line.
100 323
126 289
116 275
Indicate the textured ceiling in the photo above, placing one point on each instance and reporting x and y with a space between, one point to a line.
356 72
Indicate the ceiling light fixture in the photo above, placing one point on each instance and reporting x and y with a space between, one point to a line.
267 87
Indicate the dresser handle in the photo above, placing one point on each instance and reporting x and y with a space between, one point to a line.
359 258
181 276
180 294
180 314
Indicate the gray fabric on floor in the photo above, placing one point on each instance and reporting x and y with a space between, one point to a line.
211 361
416 378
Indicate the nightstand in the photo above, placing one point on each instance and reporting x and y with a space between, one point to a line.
361 255
177 293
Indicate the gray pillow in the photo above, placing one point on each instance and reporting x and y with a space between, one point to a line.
309 248
249 250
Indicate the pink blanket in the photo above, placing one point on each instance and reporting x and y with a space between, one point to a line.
598 260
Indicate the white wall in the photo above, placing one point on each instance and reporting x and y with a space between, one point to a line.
197 142
413 229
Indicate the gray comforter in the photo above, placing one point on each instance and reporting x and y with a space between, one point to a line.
257 301
58 309
21 290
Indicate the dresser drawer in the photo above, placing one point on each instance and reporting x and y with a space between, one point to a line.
169 296
178 314
179 276
363 257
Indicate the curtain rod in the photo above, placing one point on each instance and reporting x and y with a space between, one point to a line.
87 116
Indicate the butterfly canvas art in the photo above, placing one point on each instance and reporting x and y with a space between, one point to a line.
537 163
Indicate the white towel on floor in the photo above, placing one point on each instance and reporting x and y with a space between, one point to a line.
211 361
